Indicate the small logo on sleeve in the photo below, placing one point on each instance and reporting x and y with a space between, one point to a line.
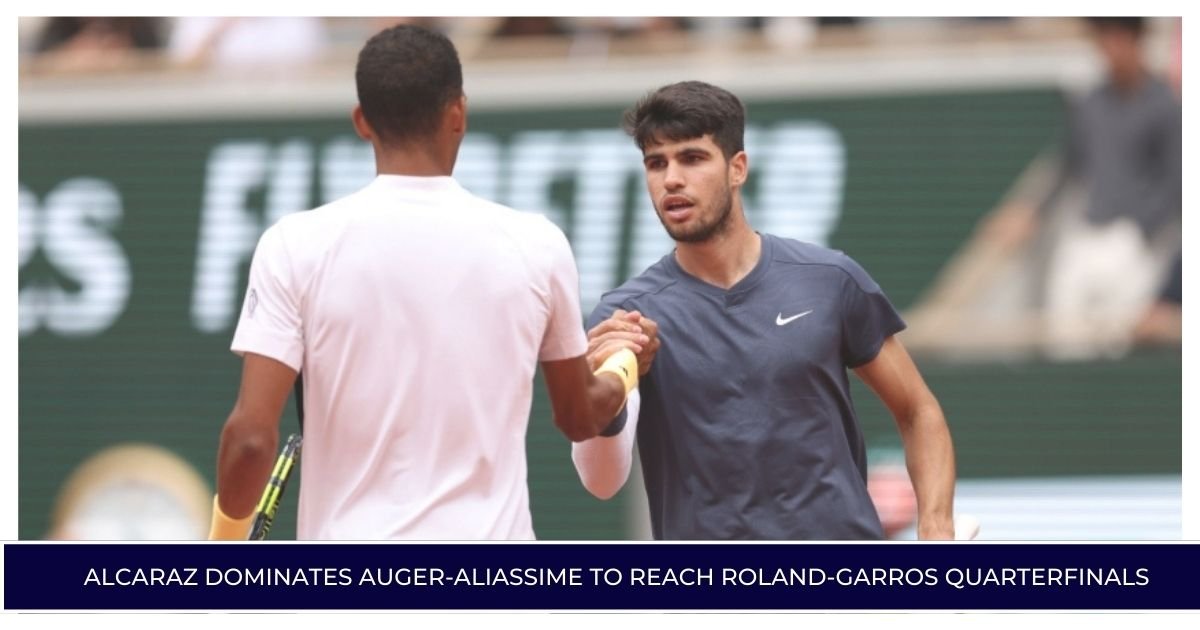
251 303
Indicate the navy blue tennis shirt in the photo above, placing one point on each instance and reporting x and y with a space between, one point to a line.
746 428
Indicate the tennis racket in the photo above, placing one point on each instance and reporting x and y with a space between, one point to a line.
268 505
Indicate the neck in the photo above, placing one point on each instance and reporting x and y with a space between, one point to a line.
417 160
726 258
1129 81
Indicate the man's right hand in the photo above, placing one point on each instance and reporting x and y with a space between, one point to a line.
624 330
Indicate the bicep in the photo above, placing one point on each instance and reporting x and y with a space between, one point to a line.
264 390
894 377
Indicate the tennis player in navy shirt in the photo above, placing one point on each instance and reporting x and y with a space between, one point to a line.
743 417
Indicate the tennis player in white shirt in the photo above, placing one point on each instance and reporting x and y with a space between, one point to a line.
418 313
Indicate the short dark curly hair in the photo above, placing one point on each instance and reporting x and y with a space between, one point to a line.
687 110
406 75
1133 25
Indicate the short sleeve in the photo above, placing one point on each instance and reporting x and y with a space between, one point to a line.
868 317
270 322
603 311
564 338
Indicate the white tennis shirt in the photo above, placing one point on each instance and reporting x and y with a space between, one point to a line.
418 313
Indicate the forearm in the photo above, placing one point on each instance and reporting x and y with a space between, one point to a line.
584 416
603 462
929 454
244 461
585 401
607 396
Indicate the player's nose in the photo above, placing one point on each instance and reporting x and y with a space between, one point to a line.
673 177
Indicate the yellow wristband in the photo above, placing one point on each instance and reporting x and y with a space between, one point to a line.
228 528
624 364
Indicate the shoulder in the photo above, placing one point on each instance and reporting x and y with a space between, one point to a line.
307 235
1162 96
322 218
630 295
654 279
529 228
1159 88
533 238
536 228
788 251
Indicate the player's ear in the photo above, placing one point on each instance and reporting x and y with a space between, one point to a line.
361 126
739 169
456 115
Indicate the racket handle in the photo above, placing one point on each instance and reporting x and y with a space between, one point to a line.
260 528
264 514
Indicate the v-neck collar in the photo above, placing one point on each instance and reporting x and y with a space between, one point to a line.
745 284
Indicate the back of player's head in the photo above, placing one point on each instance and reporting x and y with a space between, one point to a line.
1134 26
406 75
688 110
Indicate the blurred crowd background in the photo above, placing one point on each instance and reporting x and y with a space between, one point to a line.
119 44
1014 184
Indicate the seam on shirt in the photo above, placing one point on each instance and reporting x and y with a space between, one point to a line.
835 266
653 291
323 259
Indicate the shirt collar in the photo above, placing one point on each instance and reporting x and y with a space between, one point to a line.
418 184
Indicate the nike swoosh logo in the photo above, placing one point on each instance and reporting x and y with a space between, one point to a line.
780 320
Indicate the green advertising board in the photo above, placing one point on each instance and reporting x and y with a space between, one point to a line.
135 241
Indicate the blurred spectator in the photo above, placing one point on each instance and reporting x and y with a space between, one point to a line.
838 21
650 25
892 493
432 23
469 34
528 26
132 492
247 43
625 26
587 26
1162 323
593 36
793 33
1175 70
96 43
1124 151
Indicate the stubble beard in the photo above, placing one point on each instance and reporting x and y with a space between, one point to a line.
702 232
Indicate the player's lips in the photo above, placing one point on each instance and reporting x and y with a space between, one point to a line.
677 207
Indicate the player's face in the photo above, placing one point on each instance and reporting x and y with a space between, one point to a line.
1121 51
691 184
